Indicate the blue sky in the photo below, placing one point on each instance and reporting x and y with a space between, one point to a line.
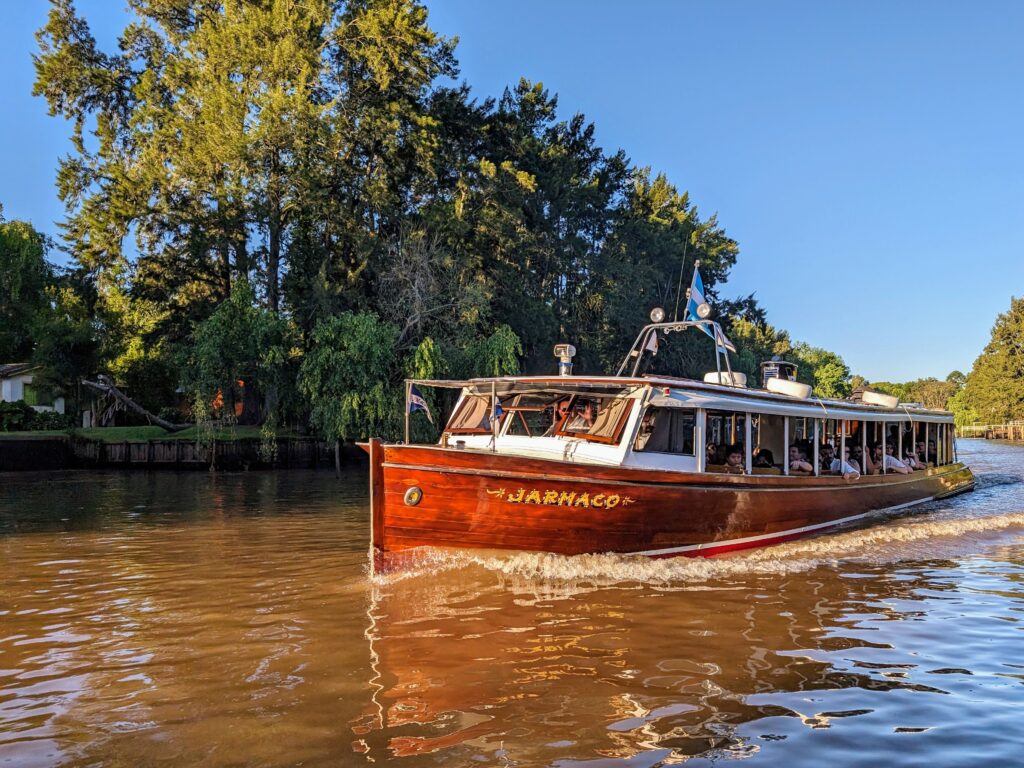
867 156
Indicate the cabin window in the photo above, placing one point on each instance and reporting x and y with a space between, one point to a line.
532 415
769 444
473 416
667 430
725 432
596 419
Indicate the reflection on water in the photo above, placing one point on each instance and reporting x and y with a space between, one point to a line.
228 620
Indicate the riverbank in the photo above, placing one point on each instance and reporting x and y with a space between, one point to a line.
1012 431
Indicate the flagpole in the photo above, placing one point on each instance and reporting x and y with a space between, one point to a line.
494 427
679 285
408 390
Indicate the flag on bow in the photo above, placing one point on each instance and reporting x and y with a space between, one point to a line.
418 403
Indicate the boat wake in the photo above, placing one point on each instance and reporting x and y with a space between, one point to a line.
940 534
996 479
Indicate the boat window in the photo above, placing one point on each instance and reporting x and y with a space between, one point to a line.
725 432
597 419
667 430
769 442
532 415
472 416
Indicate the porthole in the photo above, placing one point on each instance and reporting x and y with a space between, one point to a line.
413 496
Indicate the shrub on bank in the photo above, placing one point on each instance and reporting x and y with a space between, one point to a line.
20 417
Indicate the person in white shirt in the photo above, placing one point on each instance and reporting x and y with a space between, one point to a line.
889 461
844 467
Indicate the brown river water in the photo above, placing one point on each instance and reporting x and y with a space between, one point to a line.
228 620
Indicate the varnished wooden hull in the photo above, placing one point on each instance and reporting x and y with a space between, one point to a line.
476 499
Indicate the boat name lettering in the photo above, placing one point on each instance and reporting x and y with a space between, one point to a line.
561 498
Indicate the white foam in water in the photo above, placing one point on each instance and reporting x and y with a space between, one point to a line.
888 541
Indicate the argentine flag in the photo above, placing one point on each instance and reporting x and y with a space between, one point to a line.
697 297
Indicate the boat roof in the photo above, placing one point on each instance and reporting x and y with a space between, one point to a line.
693 393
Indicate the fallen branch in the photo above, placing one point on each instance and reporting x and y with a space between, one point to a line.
106 387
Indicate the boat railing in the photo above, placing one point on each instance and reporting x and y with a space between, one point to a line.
647 340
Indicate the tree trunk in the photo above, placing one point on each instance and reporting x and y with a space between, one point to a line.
109 389
337 459
223 245
274 246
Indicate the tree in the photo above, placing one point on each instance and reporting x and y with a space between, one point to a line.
994 390
238 355
67 333
228 135
25 276
756 343
347 378
825 371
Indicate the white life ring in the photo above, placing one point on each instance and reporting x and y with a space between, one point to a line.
734 379
879 398
787 387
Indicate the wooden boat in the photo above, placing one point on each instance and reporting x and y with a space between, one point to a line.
588 464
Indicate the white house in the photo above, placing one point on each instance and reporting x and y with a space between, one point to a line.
16 384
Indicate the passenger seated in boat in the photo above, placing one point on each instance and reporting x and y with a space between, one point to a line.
889 461
764 459
926 454
933 457
583 420
560 409
826 454
734 461
798 460
856 457
844 467
911 460
712 455
643 436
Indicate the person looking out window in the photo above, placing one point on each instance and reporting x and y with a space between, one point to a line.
798 460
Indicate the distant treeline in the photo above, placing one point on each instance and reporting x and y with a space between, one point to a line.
282 209
992 393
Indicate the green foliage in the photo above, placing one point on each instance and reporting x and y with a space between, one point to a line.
495 355
16 416
240 352
756 343
890 388
347 377
24 277
20 417
929 392
824 370
994 390
66 335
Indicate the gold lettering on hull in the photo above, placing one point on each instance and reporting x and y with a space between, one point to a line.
552 498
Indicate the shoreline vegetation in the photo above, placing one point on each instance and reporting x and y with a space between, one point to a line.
277 212
148 433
